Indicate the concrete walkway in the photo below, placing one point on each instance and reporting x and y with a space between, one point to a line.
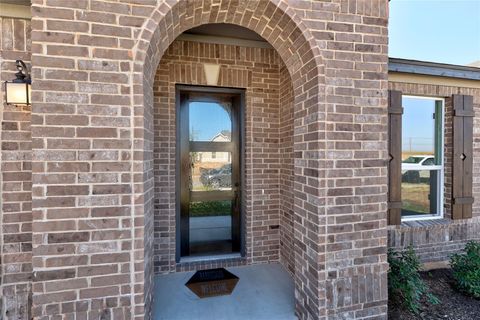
264 292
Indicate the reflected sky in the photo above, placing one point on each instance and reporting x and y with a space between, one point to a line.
418 125
207 119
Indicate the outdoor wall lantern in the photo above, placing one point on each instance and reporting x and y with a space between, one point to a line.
18 91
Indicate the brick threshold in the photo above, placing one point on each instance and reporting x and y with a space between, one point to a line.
208 262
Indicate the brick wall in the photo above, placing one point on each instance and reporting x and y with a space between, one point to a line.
339 95
94 65
93 172
287 252
436 240
88 249
315 74
15 180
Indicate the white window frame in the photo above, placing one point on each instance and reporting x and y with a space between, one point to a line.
440 168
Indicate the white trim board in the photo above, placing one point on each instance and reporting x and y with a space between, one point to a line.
439 168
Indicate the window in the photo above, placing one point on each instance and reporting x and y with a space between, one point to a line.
422 158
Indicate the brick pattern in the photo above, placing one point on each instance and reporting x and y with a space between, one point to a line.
16 179
94 65
287 253
434 240
257 70
93 129
84 232
247 14
437 240
314 73
355 150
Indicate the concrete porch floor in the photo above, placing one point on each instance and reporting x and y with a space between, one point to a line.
264 292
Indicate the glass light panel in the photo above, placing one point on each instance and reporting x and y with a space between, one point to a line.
210 227
17 93
421 131
211 171
210 121
420 192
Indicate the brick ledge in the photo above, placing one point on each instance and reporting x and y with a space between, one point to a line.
420 224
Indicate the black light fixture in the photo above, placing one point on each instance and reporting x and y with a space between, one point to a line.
18 91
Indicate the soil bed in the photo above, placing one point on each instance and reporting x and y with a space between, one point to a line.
453 304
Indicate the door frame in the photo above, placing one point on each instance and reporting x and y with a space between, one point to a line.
179 88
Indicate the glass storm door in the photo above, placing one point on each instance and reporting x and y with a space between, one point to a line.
209 177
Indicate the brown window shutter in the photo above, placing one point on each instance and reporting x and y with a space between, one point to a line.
395 111
462 198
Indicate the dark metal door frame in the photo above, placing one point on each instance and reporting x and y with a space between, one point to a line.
183 147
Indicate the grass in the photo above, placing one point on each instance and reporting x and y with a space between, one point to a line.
405 155
415 197
210 208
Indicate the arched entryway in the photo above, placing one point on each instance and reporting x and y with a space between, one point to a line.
291 40
261 162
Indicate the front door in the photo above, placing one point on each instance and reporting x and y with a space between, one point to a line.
209 179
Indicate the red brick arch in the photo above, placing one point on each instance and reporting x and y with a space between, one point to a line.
286 32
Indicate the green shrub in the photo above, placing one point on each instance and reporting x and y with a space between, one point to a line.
466 269
405 286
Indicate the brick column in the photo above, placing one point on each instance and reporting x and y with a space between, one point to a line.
87 242
355 159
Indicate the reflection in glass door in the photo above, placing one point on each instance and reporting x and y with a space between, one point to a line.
209 180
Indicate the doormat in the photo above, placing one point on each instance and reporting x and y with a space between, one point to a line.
212 283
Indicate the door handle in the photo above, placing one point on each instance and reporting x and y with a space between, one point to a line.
236 200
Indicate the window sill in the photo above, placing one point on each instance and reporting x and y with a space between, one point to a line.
439 223
425 223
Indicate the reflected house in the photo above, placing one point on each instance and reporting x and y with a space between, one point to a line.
219 157
210 221
212 169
